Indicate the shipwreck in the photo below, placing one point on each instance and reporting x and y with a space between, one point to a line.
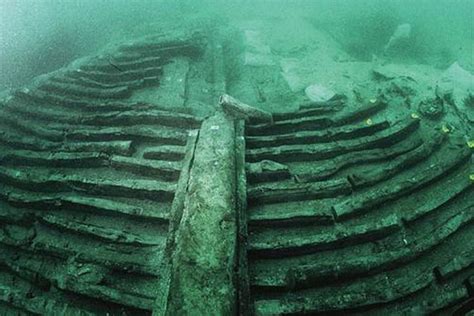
140 181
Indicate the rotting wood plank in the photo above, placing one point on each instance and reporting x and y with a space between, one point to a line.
206 237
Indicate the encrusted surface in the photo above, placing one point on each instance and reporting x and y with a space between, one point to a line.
88 177
376 205
112 202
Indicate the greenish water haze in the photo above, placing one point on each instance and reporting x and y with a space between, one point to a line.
236 157
40 36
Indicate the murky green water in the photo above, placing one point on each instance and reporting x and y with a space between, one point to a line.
41 36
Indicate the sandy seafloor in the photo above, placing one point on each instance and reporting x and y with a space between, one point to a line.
307 55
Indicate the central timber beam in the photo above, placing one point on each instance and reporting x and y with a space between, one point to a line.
205 270
201 280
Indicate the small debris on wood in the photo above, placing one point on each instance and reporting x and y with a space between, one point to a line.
243 111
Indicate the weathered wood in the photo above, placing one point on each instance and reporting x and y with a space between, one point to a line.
204 259
376 196
266 171
13 140
162 170
322 170
312 123
161 302
274 193
303 271
163 135
99 232
157 213
166 152
44 182
288 153
118 77
243 286
398 164
310 137
266 245
54 159
75 90
109 65
243 111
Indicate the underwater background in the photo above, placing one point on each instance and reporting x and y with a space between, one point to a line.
40 36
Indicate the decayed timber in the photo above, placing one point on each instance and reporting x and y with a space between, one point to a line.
112 205
406 211
87 183
206 236
243 111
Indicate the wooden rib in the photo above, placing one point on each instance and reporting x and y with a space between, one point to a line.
374 197
285 153
311 137
110 65
279 192
31 180
15 141
87 92
157 212
117 77
318 122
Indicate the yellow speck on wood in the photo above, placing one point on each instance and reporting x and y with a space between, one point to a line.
369 121
470 143
471 176
445 128
373 100
415 115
